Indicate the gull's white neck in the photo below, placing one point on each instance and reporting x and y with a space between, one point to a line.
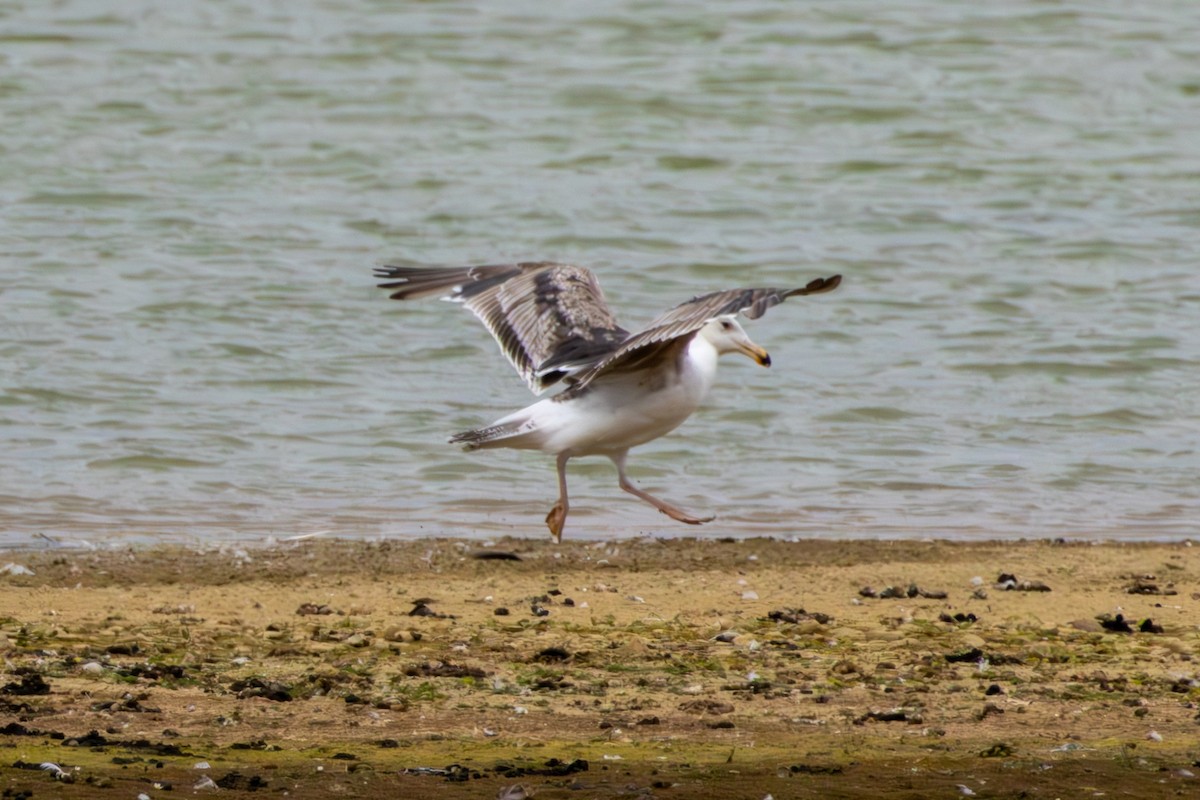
700 367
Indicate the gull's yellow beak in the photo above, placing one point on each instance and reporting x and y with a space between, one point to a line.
753 351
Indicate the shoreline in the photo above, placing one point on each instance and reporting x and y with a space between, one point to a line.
153 536
678 667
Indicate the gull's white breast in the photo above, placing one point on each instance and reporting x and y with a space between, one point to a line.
622 410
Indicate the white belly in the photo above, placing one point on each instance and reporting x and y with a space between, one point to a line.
627 410
608 420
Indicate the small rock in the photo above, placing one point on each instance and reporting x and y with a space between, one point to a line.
1008 582
798 616
552 654
31 684
495 555
894 715
1116 625
966 657
999 750
307 609
422 610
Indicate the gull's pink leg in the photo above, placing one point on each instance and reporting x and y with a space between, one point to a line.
666 508
558 515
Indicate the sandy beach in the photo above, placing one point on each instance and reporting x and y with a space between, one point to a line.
646 668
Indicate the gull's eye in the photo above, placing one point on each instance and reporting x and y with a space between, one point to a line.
726 325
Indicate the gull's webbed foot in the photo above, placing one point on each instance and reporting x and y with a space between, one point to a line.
679 515
555 521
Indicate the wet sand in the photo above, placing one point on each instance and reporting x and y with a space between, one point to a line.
647 668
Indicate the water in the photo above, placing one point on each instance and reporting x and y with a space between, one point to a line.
194 194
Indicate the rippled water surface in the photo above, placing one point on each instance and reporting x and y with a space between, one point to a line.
194 195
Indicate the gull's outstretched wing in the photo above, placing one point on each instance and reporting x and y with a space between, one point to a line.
685 319
551 320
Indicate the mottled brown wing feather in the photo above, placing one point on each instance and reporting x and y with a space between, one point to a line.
551 320
686 318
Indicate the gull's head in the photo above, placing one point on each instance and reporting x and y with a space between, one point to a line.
727 336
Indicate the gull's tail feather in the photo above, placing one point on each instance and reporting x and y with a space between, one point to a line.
492 436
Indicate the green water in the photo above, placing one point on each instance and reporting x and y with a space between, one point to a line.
194 195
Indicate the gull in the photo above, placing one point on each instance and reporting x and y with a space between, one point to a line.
622 388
